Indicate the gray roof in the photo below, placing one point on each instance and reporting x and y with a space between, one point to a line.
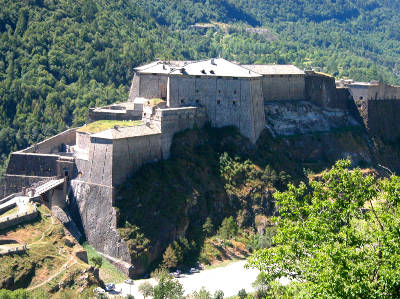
274 69
211 67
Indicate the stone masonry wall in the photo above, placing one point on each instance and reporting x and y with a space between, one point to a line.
381 117
129 154
53 144
320 89
283 87
92 207
148 86
32 164
228 101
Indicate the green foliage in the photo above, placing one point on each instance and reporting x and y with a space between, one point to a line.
167 287
242 294
201 294
146 289
170 260
228 229
18 294
261 284
338 236
218 294
97 261
208 227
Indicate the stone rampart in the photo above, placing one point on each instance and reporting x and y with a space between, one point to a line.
381 117
149 86
14 183
378 91
320 89
109 114
54 144
228 101
29 164
92 208
283 87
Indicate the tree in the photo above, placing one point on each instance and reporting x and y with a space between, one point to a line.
261 284
208 227
146 289
97 261
338 236
218 294
228 228
167 287
202 294
242 294
170 260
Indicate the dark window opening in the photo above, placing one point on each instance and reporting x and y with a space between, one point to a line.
234 92
234 103
197 90
197 101
361 98
182 101
203 71
212 72
219 91
218 102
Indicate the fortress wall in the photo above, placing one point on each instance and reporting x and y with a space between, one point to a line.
381 117
92 207
99 166
53 144
257 106
129 154
32 164
283 87
82 140
14 183
374 92
320 89
228 101
134 90
173 120
114 115
151 86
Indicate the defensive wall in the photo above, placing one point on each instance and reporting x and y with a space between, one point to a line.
122 112
228 101
53 145
379 106
148 86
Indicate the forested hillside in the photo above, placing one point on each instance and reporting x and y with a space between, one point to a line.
60 57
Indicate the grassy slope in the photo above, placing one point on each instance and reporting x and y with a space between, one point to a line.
46 254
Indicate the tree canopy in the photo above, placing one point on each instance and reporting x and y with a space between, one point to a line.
338 236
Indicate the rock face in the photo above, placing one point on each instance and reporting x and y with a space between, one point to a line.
302 117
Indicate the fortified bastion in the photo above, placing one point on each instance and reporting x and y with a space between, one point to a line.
167 97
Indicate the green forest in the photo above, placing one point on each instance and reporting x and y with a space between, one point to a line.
58 58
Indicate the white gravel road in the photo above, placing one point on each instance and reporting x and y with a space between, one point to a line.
230 279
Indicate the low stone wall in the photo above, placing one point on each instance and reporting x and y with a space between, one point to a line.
53 144
13 250
18 218
109 114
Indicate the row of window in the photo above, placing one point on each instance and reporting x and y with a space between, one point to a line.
198 102
219 91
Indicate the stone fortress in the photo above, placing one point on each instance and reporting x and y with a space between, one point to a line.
167 97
